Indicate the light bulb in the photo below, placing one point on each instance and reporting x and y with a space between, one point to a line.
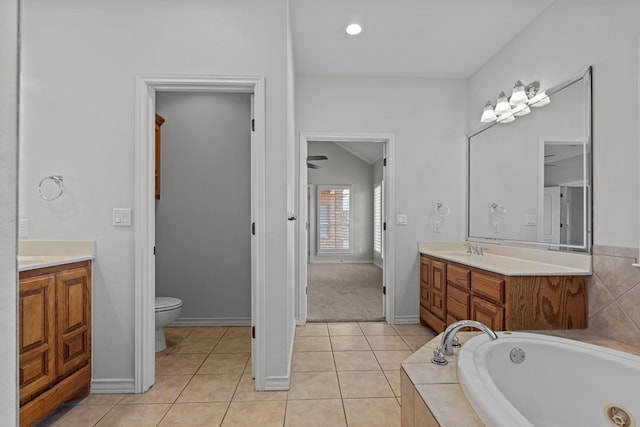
521 110
506 117
518 96
502 106
540 100
488 115
354 29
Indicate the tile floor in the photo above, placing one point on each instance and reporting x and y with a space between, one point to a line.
343 374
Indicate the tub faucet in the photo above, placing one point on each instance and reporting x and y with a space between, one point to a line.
449 339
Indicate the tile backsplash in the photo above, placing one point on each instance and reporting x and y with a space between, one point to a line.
614 294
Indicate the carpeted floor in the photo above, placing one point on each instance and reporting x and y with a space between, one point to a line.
344 292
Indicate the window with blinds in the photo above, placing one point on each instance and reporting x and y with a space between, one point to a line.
377 219
334 219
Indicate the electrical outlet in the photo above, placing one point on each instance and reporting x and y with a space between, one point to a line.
437 226
496 227
23 228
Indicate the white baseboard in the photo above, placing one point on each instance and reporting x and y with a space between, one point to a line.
116 386
406 320
276 383
340 261
212 321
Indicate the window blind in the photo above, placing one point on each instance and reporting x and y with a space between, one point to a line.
334 219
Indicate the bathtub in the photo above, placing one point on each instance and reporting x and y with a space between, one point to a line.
523 379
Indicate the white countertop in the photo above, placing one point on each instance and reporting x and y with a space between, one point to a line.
512 261
34 254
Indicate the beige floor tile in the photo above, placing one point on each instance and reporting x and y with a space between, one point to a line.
247 368
76 415
312 330
344 329
355 361
180 364
252 414
208 332
233 345
312 361
315 413
238 332
221 363
210 388
394 380
358 384
349 343
377 328
246 391
196 345
311 344
414 330
101 399
165 390
134 415
416 342
387 342
390 360
177 332
372 412
195 415
314 385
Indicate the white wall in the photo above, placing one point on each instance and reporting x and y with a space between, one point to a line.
203 245
343 168
80 60
9 197
427 119
566 38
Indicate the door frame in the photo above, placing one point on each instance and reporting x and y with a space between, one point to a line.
144 211
388 240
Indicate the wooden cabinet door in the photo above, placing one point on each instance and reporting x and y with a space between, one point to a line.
424 281
37 334
437 289
488 313
73 297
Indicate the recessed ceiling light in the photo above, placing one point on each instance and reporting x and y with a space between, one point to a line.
354 29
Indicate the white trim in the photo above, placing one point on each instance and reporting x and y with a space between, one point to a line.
113 386
337 260
388 212
406 320
276 383
211 321
144 212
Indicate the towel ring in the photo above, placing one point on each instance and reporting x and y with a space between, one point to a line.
439 207
498 210
57 178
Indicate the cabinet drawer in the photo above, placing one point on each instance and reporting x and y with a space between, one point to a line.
488 286
458 275
457 303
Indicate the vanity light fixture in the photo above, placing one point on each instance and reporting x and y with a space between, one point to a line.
354 29
522 98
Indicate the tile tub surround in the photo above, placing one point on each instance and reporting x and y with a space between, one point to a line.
614 294
432 395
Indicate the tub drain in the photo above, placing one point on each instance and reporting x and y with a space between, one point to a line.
618 416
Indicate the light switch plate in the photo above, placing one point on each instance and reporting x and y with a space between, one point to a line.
401 219
23 228
530 219
121 217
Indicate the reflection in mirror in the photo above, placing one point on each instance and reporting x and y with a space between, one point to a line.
529 180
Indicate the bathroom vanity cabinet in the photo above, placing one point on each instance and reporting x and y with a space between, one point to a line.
54 338
450 292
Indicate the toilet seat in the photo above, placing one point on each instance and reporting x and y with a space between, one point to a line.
167 304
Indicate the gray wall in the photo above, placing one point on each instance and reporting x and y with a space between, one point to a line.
203 215
343 168
9 197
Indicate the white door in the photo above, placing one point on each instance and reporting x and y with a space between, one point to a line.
551 215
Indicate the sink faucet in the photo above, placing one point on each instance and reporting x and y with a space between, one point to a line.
449 339
475 250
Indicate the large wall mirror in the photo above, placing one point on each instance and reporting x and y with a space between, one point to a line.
529 181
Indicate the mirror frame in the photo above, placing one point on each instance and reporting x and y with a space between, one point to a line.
586 76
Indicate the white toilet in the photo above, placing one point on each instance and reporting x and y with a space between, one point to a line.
167 310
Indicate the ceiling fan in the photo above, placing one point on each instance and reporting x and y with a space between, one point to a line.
314 166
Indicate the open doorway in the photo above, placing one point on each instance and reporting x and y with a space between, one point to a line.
344 263
144 212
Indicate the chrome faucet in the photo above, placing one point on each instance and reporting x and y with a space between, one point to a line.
475 250
449 339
